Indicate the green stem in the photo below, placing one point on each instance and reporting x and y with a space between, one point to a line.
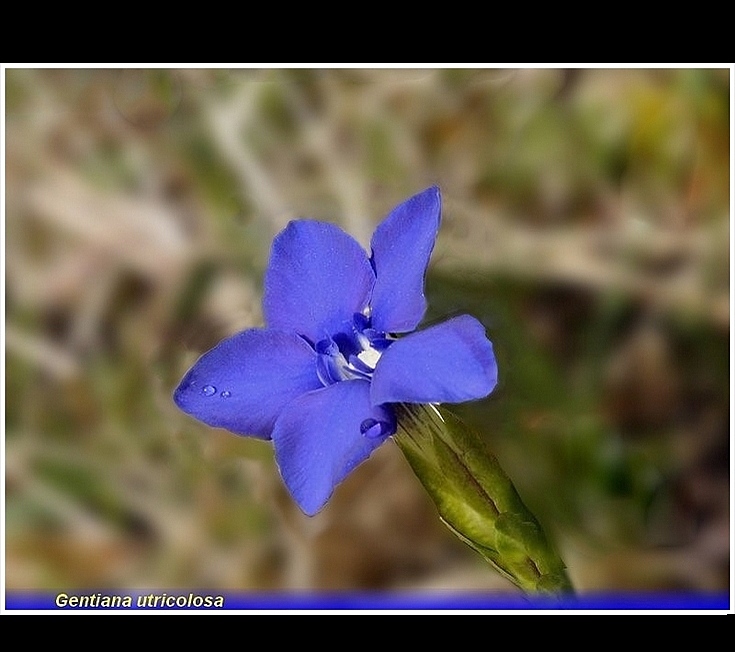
476 499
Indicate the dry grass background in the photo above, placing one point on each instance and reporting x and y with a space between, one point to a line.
585 223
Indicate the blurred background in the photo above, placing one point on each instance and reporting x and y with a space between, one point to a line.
585 223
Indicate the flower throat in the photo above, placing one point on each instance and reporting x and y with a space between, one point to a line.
351 354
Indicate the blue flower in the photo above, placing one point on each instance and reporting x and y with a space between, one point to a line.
321 379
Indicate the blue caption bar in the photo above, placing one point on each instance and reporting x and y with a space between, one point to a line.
207 600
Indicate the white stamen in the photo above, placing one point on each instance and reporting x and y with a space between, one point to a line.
370 357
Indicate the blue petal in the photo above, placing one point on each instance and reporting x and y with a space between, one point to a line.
401 246
318 277
319 439
451 362
245 381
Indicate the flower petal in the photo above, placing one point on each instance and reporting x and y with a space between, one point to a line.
317 278
319 439
451 362
244 382
401 247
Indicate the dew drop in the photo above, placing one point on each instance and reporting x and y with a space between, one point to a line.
209 390
372 429
226 394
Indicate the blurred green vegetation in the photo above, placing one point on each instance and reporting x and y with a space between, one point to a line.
586 223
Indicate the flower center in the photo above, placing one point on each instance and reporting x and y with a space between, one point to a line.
351 354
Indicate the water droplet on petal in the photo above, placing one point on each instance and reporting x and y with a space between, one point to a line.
209 390
372 429
226 394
